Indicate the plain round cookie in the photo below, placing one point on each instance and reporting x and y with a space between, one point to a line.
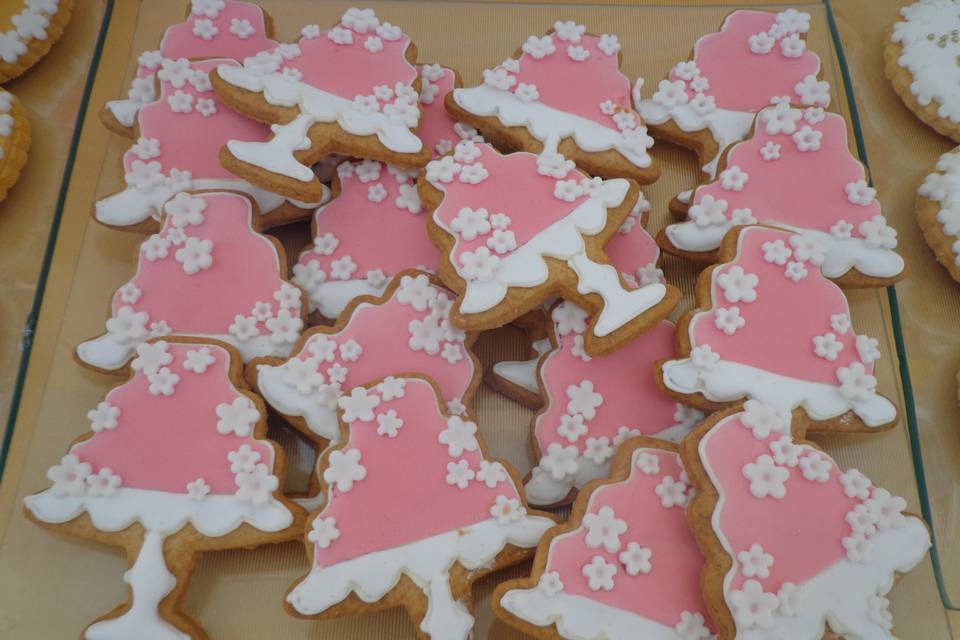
938 211
922 61
28 28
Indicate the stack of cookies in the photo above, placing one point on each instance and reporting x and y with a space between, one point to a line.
672 495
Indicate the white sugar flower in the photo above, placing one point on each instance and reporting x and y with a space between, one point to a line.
560 462
554 165
243 328
416 291
185 209
708 212
550 583
609 44
763 419
647 463
146 148
478 265
473 173
162 382
470 223
151 356
755 562
792 46
815 467
344 469
795 271
499 78
738 285
205 29
323 532
702 104
103 417
241 28
376 193
103 483
69 477
302 375
728 320
878 234
144 176
780 119
507 510
459 436
859 193
350 351
671 94
770 150
598 450
342 268
285 327
502 241
180 102
198 489
567 190
206 107
390 32
452 353
527 92
855 383
776 252
807 139
761 43
539 48
195 255
861 520
887 509
256 486
569 30
425 335
360 20
442 170
569 317
373 44
238 417
583 399
813 91
408 199
599 574
704 358
388 424
337 375
578 53
752 607
786 452
459 474
198 360
492 473
733 178
692 626
827 346
604 529
177 72
766 478
359 405
672 493
244 458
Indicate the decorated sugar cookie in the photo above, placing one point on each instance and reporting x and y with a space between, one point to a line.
921 63
407 329
769 326
516 229
175 463
563 93
415 511
795 547
14 141
212 29
796 172
938 211
709 102
178 149
206 273
624 566
29 28
634 253
593 405
351 89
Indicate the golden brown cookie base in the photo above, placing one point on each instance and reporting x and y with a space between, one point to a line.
901 79
15 148
36 49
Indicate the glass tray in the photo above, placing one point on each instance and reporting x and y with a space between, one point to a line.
82 580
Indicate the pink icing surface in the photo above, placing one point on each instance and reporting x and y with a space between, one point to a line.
632 250
513 187
163 442
741 80
786 314
673 584
245 270
802 531
349 70
386 510
191 141
597 79
624 379
381 330
803 189
376 235
436 124
179 40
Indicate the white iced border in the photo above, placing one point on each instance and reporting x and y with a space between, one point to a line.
523 373
842 254
427 562
839 595
165 513
545 123
729 381
133 206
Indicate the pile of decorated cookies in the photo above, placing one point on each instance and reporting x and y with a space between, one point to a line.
438 212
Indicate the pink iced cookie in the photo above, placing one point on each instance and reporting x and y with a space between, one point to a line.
206 273
795 543
438 130
178 150
407 329
351 89
411 491
796 172
180 443
755 58
496 218
593 405
213 29
565 93
625 566
635 254
771 327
